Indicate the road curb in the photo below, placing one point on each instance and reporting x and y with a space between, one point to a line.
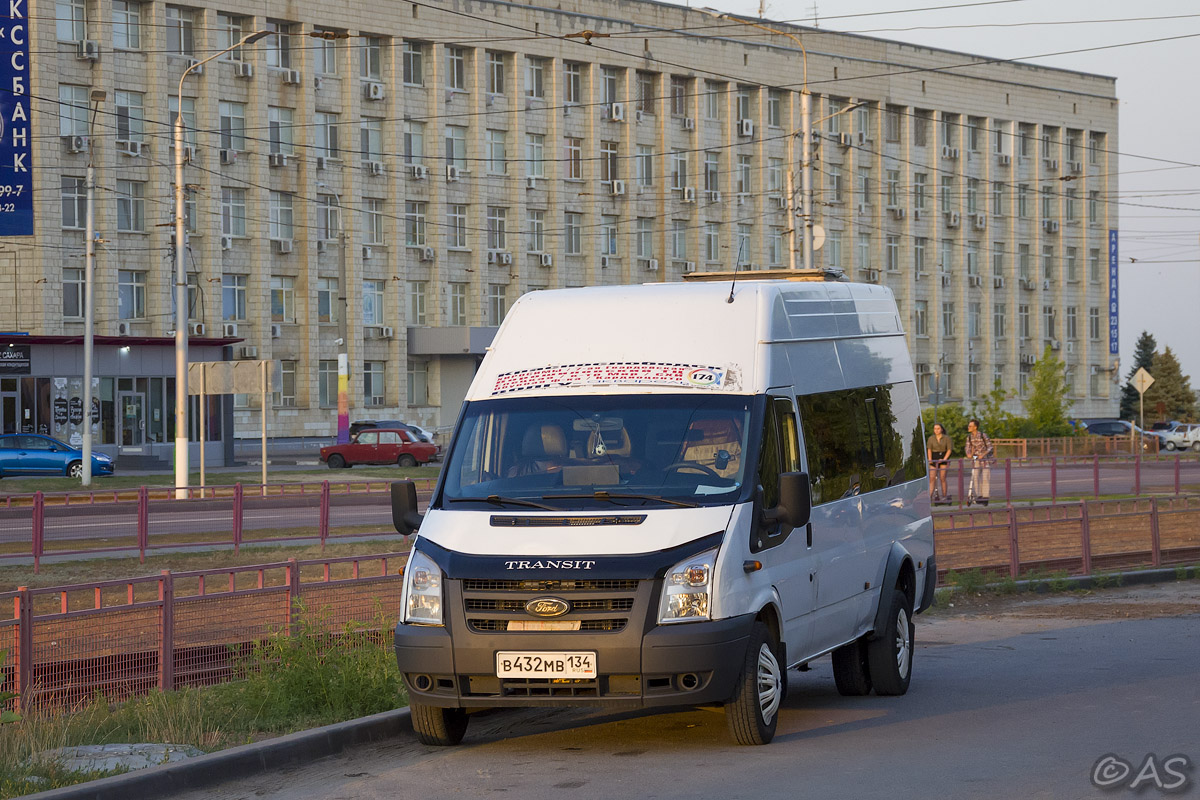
236 762
1111 580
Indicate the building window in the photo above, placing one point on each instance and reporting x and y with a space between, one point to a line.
535 155
130 117
644 237
325 57
327 383
972 195
775 246
131 294
1095 147
456 226
497 303
647 92
574 158
458 304
329 217
946 196
679 96
74 202
180 23
535 77
1049 322
372 221
921 317
283 299
233 211
712 241
494 72
679 169
328 301
608 162
892 253
919 246
713 90
1070 196
998 199
74 286
1024 262
644 164
370 139
230 29
127 25
609 80
862 259
73 110
775 108
418 382
893 124
948 319
456 146
974 320
1094 265
536 230
775 174
921 128
972 258
1094 324
131 206
497 152
414 221
1023 200
1047 203
456 68
572 82
373 302
1072 264
1023 323
326 135
743 243
1048 262
285 395
893 188
371 65
999 320
280 130
414 142
744 174
233 125
280 226
189 118
374 385
497 228
608 235
742 102
572 233
279 46
233 297
1093 207
1072 331
946 257
418 294
414 63
679 239
998 259
833 177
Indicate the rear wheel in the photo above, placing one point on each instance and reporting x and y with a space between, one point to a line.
407 460
1196 446
851 672
889 654
753 710
1169 446
75 469
336 461
440 727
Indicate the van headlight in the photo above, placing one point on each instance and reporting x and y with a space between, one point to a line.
422 590
687 589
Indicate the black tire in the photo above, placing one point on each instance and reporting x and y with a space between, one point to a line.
753 711
1196 446
336 461
440 727
407 460
1169 446
889 654
75 469
851 672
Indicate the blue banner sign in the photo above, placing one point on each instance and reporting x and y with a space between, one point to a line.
1114 339
16 146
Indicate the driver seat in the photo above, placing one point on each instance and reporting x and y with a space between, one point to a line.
543 448
705 438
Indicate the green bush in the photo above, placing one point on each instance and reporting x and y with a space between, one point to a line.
969 582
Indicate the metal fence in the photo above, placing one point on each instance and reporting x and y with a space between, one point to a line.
144 520
121 638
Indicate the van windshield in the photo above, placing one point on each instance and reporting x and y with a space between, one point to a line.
600 451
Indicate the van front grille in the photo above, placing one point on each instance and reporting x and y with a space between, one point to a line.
589 585
592 625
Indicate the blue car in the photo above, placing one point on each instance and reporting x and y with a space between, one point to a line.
33 454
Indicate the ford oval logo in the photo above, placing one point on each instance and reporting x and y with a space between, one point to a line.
547 607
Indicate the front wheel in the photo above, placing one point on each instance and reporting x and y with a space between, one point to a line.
1196 446
407 460
752 712
889 654
440 727
75 469
1169 446
336 461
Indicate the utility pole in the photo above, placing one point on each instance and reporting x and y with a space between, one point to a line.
343 311
89 298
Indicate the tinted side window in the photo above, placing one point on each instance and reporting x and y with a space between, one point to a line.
860 440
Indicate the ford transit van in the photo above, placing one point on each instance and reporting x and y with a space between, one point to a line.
670 495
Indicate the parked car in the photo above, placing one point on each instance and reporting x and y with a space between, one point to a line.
1123 428
1163 427
1182 438
34 454
398 446
395 424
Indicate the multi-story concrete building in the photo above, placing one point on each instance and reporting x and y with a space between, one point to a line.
409 183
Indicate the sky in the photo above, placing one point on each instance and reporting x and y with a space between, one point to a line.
1159 117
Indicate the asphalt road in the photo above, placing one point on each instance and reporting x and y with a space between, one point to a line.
297 512
1019 704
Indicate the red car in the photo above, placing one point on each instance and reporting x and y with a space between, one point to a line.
380 446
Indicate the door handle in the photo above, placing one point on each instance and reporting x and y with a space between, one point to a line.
808 533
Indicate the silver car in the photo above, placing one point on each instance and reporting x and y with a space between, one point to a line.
1183 437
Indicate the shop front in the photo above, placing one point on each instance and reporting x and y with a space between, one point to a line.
132 413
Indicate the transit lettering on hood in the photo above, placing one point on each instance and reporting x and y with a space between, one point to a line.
550 563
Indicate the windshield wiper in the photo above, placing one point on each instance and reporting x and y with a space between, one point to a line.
496 499
612 498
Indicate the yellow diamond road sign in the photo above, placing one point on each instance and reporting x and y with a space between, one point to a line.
1142 380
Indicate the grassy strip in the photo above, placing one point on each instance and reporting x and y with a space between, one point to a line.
286 684
101 569
103 483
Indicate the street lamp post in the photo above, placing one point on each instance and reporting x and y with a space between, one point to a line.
806 188
343 359
89 298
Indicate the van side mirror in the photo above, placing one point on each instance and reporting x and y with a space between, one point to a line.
795 500
405 518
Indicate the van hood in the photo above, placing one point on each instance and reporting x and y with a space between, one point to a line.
542 534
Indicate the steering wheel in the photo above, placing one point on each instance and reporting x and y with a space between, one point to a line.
679 466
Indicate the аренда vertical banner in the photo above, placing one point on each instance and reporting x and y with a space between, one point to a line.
16 146
1114 327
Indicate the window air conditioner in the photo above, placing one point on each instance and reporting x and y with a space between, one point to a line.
547 260
375 167
283 246
195 329
689 194
229 330
689 123
89 50
291 77
248 351
276 331
228 157
322 162
616 112
452 173
418 172
76 144
322 245
366 253
618 188
124 329
226 242
373 91
427 253
243 69
506 259
604 262
746 127
277 160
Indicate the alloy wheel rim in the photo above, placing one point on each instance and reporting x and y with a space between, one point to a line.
768 683
903 643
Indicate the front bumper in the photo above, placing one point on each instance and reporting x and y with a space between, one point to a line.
643 666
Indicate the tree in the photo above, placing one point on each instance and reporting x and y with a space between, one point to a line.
1047 404
1171 388
997 422
1143 357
